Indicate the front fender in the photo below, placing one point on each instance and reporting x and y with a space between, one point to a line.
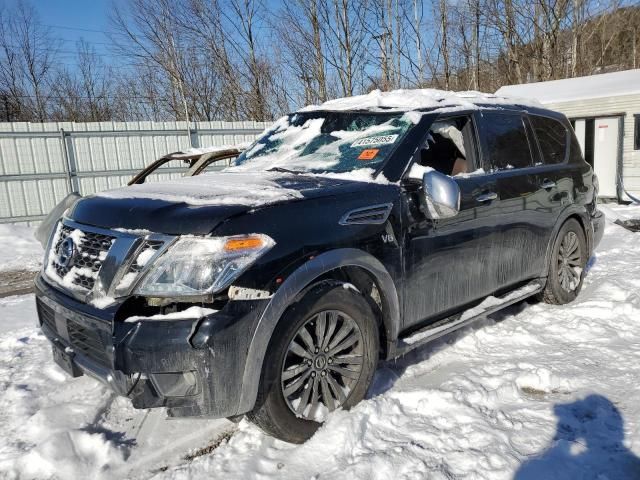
292 286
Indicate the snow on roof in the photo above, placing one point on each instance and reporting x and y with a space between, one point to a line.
579 88
402 100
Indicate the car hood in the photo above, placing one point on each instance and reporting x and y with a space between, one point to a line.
196 205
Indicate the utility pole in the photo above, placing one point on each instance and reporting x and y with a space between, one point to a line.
418 42
634 48
382 41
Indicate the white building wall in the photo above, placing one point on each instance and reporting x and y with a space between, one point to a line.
601 107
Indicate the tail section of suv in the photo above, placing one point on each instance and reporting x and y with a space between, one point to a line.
342 236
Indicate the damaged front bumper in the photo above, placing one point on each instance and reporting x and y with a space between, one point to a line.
194 367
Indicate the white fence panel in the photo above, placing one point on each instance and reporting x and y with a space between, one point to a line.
40 163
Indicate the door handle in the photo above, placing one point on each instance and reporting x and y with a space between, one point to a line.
486 197
547 184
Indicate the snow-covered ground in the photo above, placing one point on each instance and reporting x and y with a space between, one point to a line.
536 392
19 250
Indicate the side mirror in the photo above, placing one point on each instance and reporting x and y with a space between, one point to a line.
441 195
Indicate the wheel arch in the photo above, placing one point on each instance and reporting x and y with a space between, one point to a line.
582 217
331 264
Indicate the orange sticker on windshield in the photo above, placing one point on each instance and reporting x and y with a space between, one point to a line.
368 154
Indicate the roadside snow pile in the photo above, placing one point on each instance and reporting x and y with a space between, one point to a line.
44 415
19 250
215 188
536 392
418 99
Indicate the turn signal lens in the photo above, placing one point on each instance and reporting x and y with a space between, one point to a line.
243 243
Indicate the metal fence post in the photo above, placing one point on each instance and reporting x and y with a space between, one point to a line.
69 162
67 171
194 138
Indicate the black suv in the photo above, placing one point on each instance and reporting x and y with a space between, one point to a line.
339 238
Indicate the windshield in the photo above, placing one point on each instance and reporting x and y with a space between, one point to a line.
320 142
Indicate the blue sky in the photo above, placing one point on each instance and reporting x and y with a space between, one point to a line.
72 20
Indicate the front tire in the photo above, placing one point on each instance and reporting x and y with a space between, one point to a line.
567 265
322 356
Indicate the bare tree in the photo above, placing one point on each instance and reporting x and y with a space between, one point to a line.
346 38
28 59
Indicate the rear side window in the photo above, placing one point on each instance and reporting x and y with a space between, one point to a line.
552 138
636 132
506 141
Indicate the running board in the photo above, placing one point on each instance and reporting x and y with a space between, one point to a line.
447 325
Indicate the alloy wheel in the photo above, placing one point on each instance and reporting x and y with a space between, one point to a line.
322 365
569 262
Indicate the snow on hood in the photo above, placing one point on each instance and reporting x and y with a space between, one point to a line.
418 99
216 188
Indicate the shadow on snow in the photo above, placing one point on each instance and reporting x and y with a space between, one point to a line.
588 444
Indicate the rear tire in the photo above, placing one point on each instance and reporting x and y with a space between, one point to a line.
326 349
567 263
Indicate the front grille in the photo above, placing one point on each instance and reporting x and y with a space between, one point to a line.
87 341
91 250
47 315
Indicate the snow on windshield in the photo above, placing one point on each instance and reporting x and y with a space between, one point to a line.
326 142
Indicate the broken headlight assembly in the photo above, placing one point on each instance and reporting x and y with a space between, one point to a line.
199 266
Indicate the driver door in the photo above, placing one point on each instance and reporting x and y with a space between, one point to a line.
449 262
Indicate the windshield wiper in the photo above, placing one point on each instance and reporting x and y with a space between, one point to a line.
284 170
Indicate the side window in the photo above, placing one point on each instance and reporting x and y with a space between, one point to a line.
507 141
450 147
636 132
552 138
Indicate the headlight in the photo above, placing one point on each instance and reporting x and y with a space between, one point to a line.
196 266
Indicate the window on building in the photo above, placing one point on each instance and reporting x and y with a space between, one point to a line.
636 132
552 138
507 141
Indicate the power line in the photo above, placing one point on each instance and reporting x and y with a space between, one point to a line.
90 42
85 97
76 52
64 27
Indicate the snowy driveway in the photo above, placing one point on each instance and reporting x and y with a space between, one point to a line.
537 392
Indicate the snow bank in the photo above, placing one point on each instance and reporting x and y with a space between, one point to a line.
19 250
417 99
